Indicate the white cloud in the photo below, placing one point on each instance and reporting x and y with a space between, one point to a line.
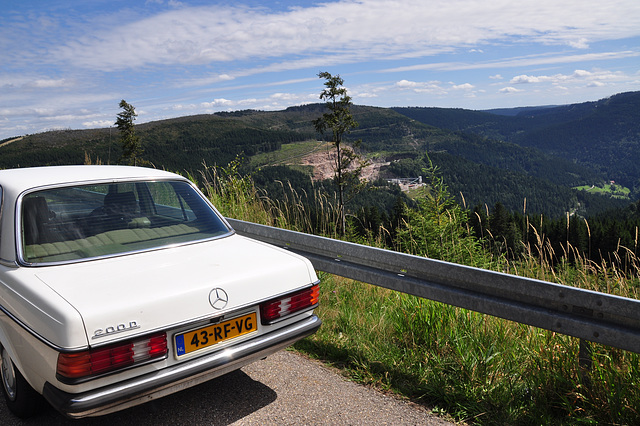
49 83
165 56
406 84
578 76
181 107
218 34
217 103
433 87
284 96
522 61
465 86
274 101
98 123
582 73
26 81
509 90
520 79
365 95
582 43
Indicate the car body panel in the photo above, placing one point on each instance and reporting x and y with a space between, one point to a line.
40 309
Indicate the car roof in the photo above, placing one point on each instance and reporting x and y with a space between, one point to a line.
19 180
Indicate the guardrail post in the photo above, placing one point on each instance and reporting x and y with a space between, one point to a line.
585 362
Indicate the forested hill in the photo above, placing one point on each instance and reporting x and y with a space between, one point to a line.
485 157
178 144
602 135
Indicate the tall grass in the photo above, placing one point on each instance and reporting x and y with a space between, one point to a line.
236 196
471 367
464 365
620 275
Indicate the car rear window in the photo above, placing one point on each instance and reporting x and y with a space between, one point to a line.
82 222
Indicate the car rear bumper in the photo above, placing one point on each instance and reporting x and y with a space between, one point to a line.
175 378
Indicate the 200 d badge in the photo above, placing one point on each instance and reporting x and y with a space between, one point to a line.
114 329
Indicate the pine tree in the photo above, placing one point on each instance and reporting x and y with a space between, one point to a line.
131 146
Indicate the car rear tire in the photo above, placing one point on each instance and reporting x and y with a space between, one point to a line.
22 400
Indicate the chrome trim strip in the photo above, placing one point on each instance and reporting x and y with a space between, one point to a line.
180 376
9 263
288 316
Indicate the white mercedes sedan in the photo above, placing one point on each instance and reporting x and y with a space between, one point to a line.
120 284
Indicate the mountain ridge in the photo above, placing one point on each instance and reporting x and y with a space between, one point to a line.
530 146
603 135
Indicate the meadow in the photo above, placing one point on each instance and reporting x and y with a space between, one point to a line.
612 189
464 366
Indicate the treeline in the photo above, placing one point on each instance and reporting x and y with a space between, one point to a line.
54 148
381 212
473 183
369 207
181 144
604 239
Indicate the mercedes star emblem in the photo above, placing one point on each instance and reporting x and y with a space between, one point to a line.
218 298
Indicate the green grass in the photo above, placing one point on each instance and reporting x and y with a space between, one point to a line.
613 190
415 193
462 365
468 366
288 153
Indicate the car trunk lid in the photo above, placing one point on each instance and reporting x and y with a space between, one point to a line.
139 293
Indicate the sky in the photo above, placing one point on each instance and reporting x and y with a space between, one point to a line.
66 64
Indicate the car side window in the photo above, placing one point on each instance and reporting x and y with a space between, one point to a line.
168 203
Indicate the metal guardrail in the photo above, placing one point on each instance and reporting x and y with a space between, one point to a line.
589 315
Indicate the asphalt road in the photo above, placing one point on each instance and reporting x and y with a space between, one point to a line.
284 389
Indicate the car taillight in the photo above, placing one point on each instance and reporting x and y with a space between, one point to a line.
276 309
109 358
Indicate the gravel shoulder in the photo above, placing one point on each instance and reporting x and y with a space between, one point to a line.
310 393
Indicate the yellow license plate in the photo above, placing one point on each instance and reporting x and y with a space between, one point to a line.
213 334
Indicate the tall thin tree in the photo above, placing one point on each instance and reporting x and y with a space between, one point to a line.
131 145
339 121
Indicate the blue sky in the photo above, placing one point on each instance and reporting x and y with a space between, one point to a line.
67 64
